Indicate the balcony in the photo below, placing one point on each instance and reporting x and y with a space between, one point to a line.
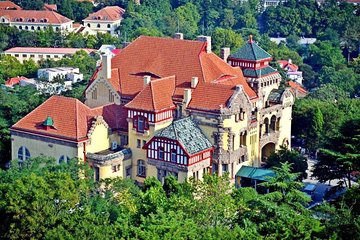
110 156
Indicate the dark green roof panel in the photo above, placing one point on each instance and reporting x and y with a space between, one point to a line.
251 51
255 173
188 134
248 72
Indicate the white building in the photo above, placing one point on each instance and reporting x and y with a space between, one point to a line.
292 70
37 54
106 20
272 3
33 20
68 73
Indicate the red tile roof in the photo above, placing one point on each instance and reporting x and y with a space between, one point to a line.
34 16
110 13
9 5
13 81
72 119
48 50
156 96
210 96
163 57
285 64
297 87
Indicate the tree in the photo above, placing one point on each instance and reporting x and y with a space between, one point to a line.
341 156
226 38
188 18
297 161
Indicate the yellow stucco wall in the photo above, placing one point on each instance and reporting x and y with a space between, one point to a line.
102 90
42 148
140 154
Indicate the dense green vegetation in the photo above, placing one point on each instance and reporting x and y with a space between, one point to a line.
34 203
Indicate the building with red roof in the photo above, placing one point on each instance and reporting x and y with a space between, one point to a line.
292 70
298 90
8 5
35 20
11 82
38 53
178 110
106 20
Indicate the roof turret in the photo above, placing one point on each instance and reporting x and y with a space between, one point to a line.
251 52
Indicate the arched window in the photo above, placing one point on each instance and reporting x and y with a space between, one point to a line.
38 28
20 27
141 123
57 28
26 27
98 25
64 159
23 153
32 28
108 26
173 156
161 153
88 24
141 168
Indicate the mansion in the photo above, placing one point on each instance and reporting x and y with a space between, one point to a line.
164 107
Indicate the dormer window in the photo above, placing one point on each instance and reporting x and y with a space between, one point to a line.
141 123
48 123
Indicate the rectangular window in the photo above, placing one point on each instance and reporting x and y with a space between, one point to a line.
48 56
173 156
111 96
115 168
214 168
225 168
138 145
41 56
144 142
24 55
32 55
16 55
141 168
128 172
94 94
56 56
161 153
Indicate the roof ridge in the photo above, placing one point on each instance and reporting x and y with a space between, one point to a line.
152 94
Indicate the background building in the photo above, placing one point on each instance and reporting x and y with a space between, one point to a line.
106 20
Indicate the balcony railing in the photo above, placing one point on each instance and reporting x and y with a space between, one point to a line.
109 155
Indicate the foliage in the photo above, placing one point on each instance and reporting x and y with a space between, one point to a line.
226 38
341 156
39 206
299 162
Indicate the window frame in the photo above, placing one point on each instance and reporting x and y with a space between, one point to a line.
161 153
141 168
136 120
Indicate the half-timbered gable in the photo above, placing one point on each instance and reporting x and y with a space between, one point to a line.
180 149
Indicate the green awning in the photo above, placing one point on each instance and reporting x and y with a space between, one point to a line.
255 173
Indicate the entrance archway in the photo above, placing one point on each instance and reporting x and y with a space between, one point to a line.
267 150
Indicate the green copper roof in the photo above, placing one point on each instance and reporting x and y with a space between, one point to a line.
188 134
275 95
255 173
251 51
48 122
248 72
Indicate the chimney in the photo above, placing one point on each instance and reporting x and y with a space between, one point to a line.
194 82
106 66
125 44
179 36
187 96
290 62
206 39
225 53
147 80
